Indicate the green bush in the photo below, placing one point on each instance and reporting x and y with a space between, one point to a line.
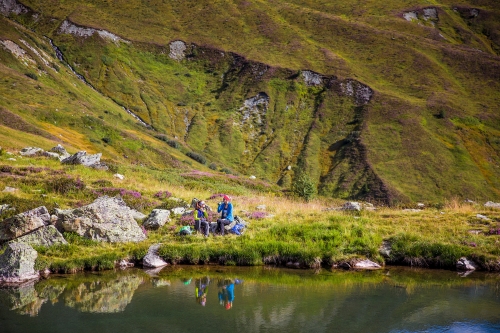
32 76
304 187
197 157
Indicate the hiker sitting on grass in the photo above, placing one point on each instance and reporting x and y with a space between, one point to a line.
226 209
200 218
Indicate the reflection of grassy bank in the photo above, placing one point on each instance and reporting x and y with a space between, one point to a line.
293 231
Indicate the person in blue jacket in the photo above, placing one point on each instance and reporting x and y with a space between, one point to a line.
226 210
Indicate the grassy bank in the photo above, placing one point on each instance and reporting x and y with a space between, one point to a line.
288 230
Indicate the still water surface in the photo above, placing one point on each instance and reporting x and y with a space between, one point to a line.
222 299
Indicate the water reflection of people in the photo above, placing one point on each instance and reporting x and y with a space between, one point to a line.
226 293
201 290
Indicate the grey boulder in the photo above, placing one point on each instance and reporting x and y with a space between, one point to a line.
44 236
81 157
17 263
106 220
366 264
157 219
463 264
24 223
31 151
152 259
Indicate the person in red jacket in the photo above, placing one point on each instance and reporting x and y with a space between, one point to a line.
226 210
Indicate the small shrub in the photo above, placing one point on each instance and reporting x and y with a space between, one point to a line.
213 166
257 215
102 183
227 171
304 187
65 184
197 157
31 75
106 140
163 195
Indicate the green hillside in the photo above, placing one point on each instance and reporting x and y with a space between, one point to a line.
385 101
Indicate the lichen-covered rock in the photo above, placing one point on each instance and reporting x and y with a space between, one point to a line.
430 13
366 264
157 219
492 204
255 107
63 154
410 16
352 206
177 49
81 157
31 151
12 7
152 259
362 93
17 263
463 264
311 78
178 210
23 223
44 236
68 27
106 220
386 249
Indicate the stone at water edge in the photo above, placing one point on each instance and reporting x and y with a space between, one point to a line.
152 259
463 264
21 224
17 263
157 219
366 264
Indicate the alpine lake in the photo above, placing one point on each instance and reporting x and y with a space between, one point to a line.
254 299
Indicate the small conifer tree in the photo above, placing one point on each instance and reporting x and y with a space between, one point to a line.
304 187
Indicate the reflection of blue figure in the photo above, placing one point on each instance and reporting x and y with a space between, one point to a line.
230 292
226 294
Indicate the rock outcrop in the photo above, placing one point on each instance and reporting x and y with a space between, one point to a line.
81 157
17 263
352 206
177 49
152 259
12 7
157 219
24 223
106 220
492 204
68 27
44 236
31 151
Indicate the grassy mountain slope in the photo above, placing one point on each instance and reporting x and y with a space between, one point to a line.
426 127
